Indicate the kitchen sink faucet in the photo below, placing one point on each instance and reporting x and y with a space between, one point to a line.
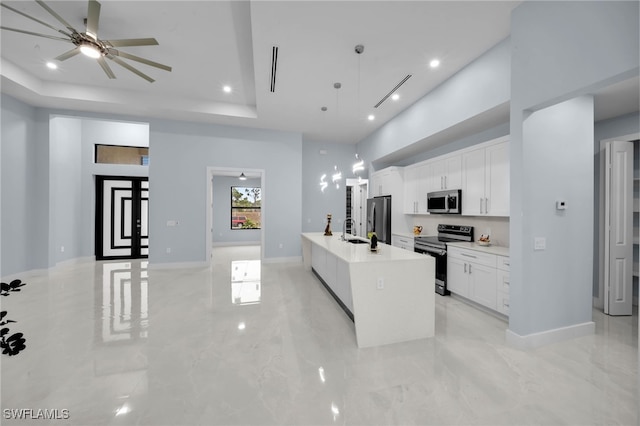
344 228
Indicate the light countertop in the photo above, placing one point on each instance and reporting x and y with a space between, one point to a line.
356 253
497 250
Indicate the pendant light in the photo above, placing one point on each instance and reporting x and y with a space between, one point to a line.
242 176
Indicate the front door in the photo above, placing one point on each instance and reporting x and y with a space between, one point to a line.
122 212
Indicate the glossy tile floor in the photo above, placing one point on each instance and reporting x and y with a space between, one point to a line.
115 344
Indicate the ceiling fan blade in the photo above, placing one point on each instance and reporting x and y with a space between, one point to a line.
35 34
93 18
129 67
106 68
132 42
55 15
34 19
139 59
67 55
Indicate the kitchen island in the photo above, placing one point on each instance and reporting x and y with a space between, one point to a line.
389 294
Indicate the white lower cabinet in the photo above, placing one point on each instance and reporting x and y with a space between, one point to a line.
482 284
502 293
476 276
457 279
405 243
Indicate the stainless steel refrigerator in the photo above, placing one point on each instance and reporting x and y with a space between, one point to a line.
379 218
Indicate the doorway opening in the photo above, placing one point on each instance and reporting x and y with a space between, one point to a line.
619 225
221 229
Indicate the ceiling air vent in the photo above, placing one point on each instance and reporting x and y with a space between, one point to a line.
392 90
274 67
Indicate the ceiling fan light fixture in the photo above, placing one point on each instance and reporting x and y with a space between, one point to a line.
52 65
90 50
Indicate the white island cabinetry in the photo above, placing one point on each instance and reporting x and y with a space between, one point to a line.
388 294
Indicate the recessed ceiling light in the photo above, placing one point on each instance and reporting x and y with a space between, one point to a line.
395 97
227 89
434 63
371 117
52 65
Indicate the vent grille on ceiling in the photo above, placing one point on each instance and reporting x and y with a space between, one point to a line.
384 98
274 67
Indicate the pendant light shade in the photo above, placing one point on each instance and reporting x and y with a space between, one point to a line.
242 176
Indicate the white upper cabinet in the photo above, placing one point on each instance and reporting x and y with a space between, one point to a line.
485 181
387 182
497 179
415 189
445 173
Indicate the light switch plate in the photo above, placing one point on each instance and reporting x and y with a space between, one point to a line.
539 243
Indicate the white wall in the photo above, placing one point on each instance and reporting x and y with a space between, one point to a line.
179 156
65 194
480 87
25 188
559 51
554 287
316 204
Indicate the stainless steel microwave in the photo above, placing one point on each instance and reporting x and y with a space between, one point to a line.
445 202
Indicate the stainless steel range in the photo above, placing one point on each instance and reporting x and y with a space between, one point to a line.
436 246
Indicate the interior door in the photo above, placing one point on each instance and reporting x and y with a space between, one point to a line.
122 213
618 275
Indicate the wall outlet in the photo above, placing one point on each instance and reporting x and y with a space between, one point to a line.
61 249
168 250
380 284
539 243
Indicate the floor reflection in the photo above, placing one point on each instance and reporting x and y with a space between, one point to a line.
124 301
245 282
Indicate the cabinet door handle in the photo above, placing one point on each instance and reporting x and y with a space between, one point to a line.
480 205
441 183
469 255
445 182
486 206
506 263
469 268
465 268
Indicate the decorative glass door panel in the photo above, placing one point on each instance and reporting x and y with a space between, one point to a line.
122 213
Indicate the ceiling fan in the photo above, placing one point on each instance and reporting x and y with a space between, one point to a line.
89 44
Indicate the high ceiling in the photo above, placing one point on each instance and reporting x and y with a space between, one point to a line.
210 44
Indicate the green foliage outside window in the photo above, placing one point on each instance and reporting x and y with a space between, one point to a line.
245 207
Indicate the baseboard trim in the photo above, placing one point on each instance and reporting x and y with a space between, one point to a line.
297 259
178 265
75 261
543 338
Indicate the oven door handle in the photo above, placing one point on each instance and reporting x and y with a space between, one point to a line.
430 250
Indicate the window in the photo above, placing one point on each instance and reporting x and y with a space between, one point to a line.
245 207
112 154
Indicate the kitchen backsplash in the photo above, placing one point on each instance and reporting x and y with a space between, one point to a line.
496 227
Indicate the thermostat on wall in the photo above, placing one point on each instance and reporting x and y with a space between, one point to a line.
561 205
